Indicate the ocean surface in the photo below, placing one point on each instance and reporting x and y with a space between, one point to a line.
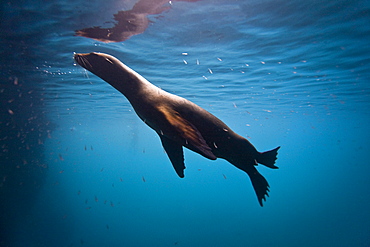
79 168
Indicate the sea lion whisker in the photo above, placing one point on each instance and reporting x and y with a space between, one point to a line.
86 62
82 61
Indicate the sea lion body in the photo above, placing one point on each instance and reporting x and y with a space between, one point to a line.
181 123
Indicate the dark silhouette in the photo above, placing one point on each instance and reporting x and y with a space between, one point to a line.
129 22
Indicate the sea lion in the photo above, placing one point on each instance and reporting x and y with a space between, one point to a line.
181 123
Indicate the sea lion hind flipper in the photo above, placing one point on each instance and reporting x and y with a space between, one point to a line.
192 138
260 185
268 158
175 154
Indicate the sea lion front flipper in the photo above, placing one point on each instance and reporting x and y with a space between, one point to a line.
175 153
192 137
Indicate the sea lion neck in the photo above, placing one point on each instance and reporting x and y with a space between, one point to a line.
113 71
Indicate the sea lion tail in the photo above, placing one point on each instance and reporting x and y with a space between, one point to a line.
268 158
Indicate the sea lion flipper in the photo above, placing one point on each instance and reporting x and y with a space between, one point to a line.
268 158
175 153
192 138
260 184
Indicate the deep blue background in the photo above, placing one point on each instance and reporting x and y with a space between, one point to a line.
78 168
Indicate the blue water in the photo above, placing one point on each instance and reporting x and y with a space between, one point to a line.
79 168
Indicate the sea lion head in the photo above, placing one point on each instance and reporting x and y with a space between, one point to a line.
100 64
110 69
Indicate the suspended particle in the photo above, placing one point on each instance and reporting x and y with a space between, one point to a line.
61 157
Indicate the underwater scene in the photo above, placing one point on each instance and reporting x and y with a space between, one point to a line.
94 152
